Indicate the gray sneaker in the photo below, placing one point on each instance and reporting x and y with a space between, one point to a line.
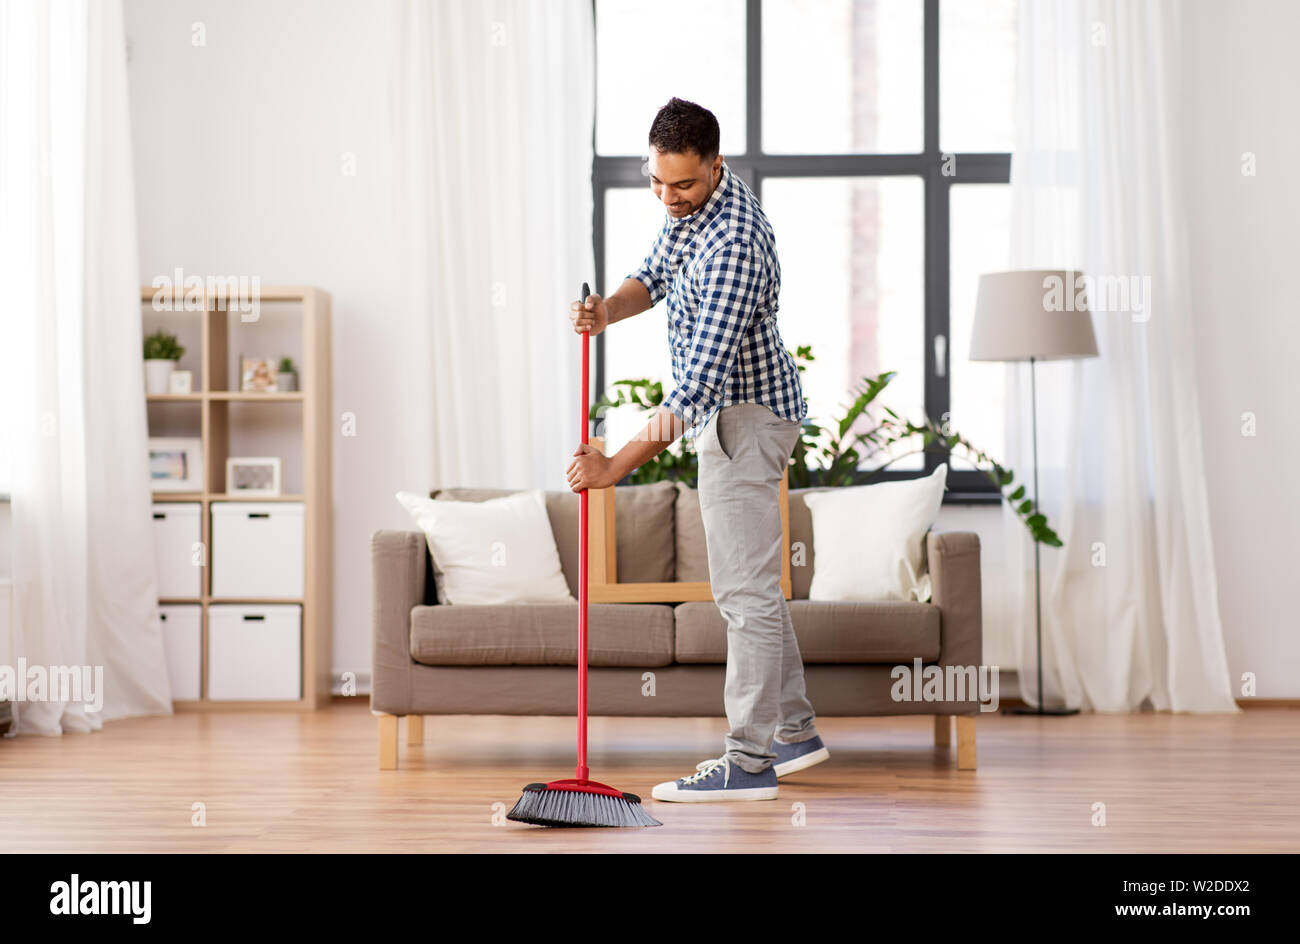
718 779
791 758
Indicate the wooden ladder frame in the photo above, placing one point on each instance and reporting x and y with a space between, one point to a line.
603 585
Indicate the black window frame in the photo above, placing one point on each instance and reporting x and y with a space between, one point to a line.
938 171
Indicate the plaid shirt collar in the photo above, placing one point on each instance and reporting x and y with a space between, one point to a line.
706 212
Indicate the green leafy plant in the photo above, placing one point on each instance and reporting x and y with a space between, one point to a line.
163 346
837 455
287 365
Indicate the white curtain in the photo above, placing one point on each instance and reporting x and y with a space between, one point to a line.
493 112
1130 613
84 576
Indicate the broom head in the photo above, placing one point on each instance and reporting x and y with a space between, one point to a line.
579 803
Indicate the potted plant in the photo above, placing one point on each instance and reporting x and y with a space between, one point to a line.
836 455
162 351
286 377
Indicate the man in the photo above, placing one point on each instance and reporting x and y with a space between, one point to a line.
739 397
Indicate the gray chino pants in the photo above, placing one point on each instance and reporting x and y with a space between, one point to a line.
743 451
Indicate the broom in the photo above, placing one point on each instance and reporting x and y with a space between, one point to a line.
580 801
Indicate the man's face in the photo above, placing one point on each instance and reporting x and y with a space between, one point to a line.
683 181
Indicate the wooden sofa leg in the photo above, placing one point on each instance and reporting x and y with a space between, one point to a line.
388 742
965 742
414 730
942 730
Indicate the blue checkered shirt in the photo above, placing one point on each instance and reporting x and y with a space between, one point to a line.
719 271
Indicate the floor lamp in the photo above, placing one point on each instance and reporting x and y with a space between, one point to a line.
1033 315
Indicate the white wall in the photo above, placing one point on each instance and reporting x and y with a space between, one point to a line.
239 150
1242 75
238 154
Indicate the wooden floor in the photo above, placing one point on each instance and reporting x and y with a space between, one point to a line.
309 782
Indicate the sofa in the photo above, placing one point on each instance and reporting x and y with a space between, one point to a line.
655 659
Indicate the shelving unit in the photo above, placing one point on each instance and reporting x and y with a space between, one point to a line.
217 374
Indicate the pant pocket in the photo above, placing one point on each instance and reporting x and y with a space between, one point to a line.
718 435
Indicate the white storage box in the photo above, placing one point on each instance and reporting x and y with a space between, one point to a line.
182 629
177 528
255 652
257 550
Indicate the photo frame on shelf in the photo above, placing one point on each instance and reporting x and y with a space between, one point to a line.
180 381
253 476
175 464
257 375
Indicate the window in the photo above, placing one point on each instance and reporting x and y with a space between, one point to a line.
648 52
866 284
877 134
843 77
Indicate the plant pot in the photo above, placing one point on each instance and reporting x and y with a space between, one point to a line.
286 383
156 374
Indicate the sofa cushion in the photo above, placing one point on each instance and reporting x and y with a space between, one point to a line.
645 531
496 551
692 551
870 539
801 541
619 634
889 631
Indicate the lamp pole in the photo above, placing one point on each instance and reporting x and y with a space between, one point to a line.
1038 578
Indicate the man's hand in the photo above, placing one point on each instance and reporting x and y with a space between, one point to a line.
591 469
594 470
589 315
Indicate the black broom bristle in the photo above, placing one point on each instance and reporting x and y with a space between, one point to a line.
559 807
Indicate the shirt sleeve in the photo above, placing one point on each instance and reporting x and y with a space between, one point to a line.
732 291
651 272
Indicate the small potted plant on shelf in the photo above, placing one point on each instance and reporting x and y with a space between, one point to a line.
162 351
287 376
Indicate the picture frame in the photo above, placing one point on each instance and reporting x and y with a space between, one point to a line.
257 375
180 381
253 476
175 464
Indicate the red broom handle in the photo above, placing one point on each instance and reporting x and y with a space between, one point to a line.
582 771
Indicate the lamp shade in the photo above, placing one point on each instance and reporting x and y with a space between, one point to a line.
1031 313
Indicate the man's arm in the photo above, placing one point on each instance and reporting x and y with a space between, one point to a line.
632 298
658 434
591 469
732 291
640 291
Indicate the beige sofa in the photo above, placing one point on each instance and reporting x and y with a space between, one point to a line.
432 659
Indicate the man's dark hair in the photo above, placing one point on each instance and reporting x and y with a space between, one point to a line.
682 126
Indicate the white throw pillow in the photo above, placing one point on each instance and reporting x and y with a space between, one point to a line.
867 539
497 551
